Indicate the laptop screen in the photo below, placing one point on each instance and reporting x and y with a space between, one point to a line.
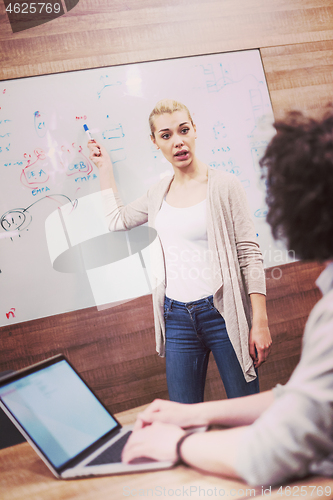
58 411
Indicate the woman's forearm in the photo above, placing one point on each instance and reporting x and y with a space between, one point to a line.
258 303
260 339
235 412
214 452
101 158
106 178
228 412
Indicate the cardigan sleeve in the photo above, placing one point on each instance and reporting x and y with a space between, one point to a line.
248 252
121 217
291 437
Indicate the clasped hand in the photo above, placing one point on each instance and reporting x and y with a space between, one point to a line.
158 429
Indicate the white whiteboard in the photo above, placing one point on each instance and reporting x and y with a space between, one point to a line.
44 159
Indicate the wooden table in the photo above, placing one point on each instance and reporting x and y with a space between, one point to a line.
24 476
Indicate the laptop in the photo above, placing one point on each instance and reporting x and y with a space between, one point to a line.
65 422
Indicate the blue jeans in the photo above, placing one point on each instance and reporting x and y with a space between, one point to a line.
193 330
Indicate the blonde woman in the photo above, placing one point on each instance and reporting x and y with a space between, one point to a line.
213 296
285 433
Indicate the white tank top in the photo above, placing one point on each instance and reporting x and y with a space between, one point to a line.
183 234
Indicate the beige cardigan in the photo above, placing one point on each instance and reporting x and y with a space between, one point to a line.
237 260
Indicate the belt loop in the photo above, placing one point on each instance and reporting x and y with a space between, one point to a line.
170 302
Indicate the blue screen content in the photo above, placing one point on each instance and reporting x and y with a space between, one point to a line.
58 411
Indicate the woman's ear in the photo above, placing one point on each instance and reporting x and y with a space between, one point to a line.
195 130
152 137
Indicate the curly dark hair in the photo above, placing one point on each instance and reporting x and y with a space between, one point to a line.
298 170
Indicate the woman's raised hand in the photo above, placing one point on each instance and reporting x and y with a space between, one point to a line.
99 155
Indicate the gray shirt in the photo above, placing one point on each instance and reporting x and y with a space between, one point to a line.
294 436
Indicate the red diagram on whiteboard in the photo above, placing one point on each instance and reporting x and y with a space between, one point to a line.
74 161
35 172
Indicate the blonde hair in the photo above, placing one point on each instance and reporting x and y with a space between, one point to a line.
166 106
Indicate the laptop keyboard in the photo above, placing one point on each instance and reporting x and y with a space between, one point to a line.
112 454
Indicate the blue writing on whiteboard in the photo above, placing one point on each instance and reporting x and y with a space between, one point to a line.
118 155
9 164
261 212
39 123
215 83
85 178
114 133
34 192
107 83
5 133
219 131
221 149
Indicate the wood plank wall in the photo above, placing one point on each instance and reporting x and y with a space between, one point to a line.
114 349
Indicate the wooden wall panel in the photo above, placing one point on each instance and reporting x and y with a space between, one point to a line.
101 33
114 349
299 76
289 302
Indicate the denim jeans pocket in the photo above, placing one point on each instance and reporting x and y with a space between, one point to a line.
210 301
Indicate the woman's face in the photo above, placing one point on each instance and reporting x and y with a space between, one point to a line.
175 137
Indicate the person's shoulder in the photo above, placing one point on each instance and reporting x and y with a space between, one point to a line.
225 183
160 185
218 174
225 178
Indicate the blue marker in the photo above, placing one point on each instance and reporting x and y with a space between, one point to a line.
87 131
